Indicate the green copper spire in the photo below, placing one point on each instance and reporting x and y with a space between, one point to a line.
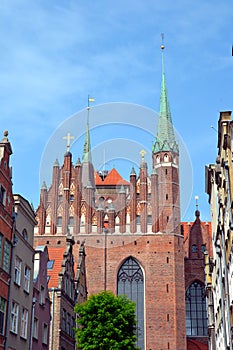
87 145
165 139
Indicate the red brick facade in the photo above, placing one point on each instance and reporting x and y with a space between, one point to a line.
6 227
125 221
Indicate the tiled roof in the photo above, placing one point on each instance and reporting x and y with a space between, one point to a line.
196 345
187 226
55 254
112 179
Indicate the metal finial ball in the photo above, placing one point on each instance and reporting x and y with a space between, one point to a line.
162 47
5 133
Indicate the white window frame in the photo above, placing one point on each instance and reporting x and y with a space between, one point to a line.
27 275
14 317
18 266
24 323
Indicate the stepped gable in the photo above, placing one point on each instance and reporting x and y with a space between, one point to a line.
113 178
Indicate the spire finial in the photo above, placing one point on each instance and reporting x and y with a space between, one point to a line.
196 198
162 45
68 137
142 152
89 99
87 144
197 212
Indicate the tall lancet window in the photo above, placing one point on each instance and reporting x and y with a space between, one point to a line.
130 282
196 313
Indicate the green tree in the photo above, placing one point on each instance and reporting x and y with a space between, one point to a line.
106 322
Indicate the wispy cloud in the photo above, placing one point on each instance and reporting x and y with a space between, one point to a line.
54 53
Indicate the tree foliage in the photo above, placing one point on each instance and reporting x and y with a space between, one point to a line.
106 322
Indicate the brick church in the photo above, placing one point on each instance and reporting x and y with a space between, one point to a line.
135 243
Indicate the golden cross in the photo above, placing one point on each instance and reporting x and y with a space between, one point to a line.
68 137
143 154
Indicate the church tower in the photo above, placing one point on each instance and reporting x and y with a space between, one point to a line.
166 163
131 230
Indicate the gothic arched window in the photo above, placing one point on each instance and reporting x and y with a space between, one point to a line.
130 282
196 313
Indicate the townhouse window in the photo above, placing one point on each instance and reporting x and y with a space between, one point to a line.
45 333
0 249
50 264
25 234
42 295
2 195
18 264
27 274
67 285
35 328
6 257
73 327
203 248
69 324
2 314
14 317
194 248
64 320
24 323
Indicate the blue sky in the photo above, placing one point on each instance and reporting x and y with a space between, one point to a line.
53 54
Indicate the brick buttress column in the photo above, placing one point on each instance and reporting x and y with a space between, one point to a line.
133 201
122 213
154 201
89 205
111 218
54 195
66 174
100 218
78 197
42 210
143 196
